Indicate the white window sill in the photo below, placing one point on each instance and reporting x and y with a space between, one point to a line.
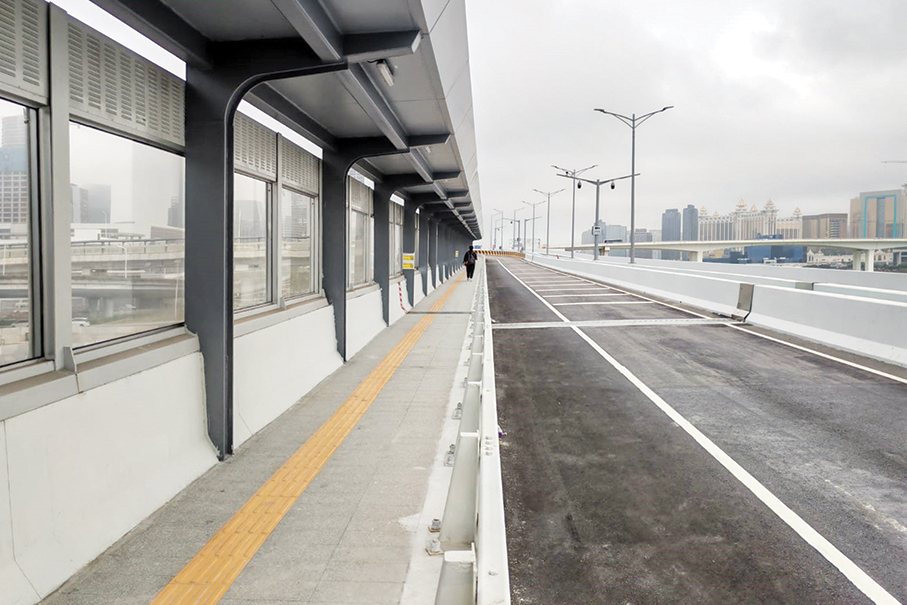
273 315
362 290
30 387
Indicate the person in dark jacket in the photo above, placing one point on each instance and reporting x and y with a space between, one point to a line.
469 260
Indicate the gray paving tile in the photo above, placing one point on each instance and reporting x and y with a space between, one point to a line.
357 592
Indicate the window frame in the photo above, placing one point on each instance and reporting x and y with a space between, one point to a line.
314 243
271 301
131 137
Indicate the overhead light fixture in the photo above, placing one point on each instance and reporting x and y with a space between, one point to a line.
386 71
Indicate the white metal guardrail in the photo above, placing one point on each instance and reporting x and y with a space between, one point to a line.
472 533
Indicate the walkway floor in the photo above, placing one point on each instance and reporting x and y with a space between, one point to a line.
357 532
654 455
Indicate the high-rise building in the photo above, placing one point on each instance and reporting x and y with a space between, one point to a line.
98 204
748 223
878 214
586 238
14 132
79 199
643 235
690 229
175 213
671 231
825 226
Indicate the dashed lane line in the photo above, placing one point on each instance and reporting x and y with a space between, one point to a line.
743 328
859 578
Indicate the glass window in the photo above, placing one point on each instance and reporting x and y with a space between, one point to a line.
358 248
128 243
416 246
396 239
297 212
16 301
361 233
251 225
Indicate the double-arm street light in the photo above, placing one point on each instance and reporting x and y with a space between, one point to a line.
595 227
574 174
633 122
547 195
533 222
494 227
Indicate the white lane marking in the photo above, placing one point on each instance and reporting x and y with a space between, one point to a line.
582 295
605 302
851 571
584 289
742 328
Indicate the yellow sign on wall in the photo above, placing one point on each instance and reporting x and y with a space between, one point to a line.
409 261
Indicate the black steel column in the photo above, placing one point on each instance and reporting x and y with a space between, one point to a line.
409 245
212 95
423 249
433 252
382 207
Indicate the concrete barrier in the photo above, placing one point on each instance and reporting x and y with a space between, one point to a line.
871 327
872 323
711 293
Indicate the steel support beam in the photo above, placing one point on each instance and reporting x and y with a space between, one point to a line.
423 249
381 205
212 95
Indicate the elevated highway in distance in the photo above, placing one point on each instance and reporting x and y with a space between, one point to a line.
861 247
656 453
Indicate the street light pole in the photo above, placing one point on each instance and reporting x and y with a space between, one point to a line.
573 173
633 122
548 195
494 228
533 220
516 229
598 185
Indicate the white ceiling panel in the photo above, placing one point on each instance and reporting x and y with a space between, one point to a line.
230 20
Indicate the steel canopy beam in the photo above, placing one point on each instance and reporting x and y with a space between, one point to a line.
158 22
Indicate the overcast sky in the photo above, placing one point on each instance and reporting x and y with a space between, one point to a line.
796 101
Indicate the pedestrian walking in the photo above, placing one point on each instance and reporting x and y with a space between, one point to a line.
469 260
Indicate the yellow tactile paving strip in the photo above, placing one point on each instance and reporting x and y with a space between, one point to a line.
209 575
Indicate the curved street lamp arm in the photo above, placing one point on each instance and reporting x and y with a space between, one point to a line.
622 118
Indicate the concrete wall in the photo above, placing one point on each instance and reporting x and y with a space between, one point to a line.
874 279
869 326
398 310
417 288
875 328
275 366
712 293
77 474
364 320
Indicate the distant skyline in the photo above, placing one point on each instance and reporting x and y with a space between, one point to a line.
797 102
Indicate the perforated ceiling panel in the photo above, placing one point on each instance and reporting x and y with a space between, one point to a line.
23 50
254 148
300 169
113 86
360 195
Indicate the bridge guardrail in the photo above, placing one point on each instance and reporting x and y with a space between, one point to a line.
502 253
475 569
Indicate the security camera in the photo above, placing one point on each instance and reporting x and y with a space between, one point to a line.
579 185
613 186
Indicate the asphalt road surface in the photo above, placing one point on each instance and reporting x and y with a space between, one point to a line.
655 455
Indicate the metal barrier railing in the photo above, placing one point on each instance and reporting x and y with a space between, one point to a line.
502 253
472 534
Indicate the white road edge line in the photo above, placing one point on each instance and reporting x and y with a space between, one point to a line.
845 362
851 571
605 302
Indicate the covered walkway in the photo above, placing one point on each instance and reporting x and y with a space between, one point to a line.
363 453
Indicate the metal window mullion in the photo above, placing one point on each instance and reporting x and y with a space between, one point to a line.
276 235
56 214
35 239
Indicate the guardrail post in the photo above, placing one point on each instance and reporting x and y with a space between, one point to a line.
457 584
472 402
458 525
